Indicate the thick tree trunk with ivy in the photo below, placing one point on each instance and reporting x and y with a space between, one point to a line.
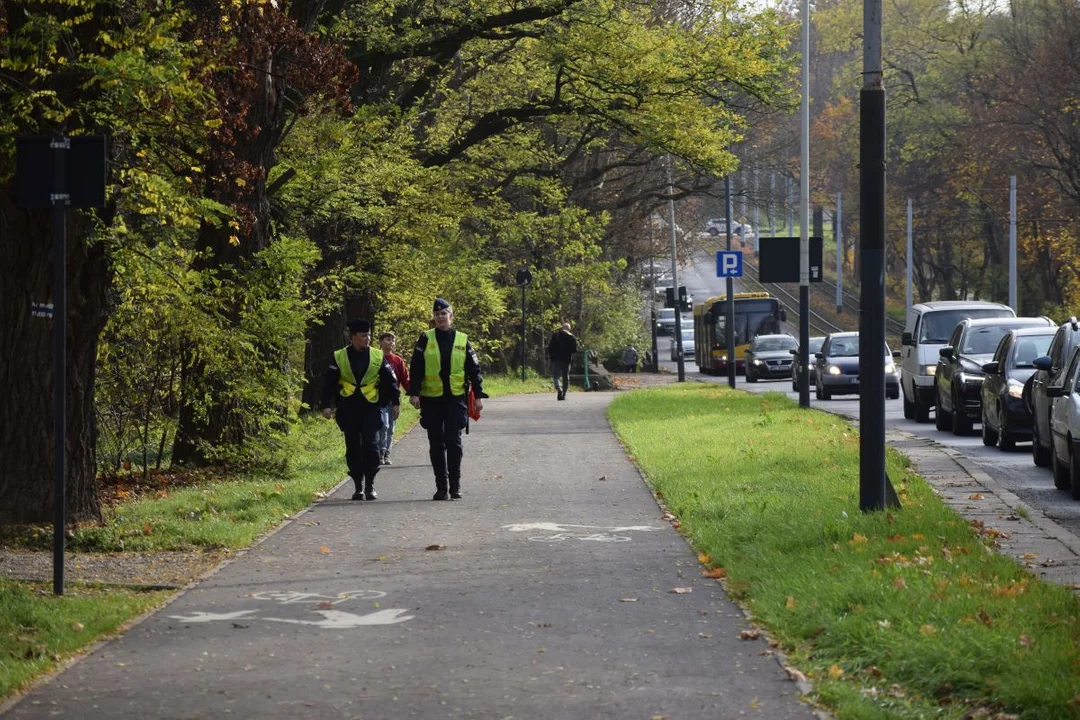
26 366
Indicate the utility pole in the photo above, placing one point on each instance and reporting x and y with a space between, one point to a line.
729 320
872 265
910 256
1012 244
675 275
838 235
804 218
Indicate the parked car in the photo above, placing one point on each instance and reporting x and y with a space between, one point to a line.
959 376
1005 416
687 341
927 329
837 367
813 346
1049 372
769 356
718 226
1065 428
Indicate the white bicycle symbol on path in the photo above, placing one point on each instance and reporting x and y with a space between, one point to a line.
562 532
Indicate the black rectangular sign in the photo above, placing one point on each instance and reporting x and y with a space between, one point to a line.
84 170
778 260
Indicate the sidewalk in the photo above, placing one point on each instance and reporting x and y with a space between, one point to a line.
547 592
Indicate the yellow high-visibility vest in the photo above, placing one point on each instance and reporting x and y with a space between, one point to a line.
369 385
432 385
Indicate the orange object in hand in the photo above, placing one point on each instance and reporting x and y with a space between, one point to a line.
473 412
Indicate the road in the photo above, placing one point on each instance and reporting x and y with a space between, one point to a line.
1014 470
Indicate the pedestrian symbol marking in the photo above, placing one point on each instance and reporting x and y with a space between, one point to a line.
331 619
561 532
729 264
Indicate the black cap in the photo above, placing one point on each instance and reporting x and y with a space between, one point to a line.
440 304
359 326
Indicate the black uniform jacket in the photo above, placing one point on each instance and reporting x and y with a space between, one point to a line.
389 394
446 346
562 347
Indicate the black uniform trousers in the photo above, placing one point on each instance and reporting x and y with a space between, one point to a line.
444 419
360 421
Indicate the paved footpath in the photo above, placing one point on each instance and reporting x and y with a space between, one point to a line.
549 598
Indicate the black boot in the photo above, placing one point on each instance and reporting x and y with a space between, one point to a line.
455 489
369 490
359 494
440 490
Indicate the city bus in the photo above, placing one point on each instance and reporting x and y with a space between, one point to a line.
756 313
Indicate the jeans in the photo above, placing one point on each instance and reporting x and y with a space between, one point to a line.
561 371
386 433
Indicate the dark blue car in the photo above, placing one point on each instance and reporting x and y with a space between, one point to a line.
1005 416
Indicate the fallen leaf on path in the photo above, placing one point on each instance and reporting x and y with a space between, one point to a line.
794 674
751 634
681 590
627 599
976 496
325 605
714 573
602 478
436 546
704 558
704 635
324 549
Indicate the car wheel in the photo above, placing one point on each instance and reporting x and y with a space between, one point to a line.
892 394
1006 440
989 436
909 409
750 376
943 418
1062 481
961 423
794 382
1039 455
922 411
1074 469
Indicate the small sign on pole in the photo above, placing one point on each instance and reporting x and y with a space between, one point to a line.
729 264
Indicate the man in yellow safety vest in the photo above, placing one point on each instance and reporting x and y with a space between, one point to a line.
359 381
443 367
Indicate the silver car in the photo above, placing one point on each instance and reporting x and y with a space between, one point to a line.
1065 428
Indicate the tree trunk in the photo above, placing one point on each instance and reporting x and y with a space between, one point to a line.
26 366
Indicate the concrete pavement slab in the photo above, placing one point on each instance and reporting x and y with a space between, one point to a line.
547 592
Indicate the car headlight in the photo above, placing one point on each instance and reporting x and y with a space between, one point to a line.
928 370
969 379
1016 388
756 361
834 370
890 368
723 358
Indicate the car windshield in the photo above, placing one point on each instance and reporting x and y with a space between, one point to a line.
844 347
936 327
666 314
815 344
1029 347
774 344
982 340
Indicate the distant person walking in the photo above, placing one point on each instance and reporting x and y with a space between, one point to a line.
360 382
561 350
442 368
388 342
629 359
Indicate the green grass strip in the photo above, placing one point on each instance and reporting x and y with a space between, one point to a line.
39 630
899 614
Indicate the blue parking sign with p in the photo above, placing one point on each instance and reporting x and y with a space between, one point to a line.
729 263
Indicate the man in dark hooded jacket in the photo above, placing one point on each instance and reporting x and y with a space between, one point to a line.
561 350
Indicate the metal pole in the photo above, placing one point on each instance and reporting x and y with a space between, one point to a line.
655 365
1012 244
804 217
523 332
729 320
757 213
675 275
910 255
59 256
772 194
872 144
790 183
838 234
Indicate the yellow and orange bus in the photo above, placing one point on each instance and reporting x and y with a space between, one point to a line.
756 313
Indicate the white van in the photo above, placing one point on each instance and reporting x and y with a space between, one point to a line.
926 331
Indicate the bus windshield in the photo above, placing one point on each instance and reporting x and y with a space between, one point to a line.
752 318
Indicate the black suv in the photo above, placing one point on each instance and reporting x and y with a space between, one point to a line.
959 376
1049 372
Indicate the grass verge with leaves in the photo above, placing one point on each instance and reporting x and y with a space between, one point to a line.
907 613
38 629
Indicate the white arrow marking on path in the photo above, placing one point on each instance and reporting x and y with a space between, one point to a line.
561 527
338 620
333 619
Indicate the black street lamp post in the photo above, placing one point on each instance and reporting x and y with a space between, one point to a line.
524 277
